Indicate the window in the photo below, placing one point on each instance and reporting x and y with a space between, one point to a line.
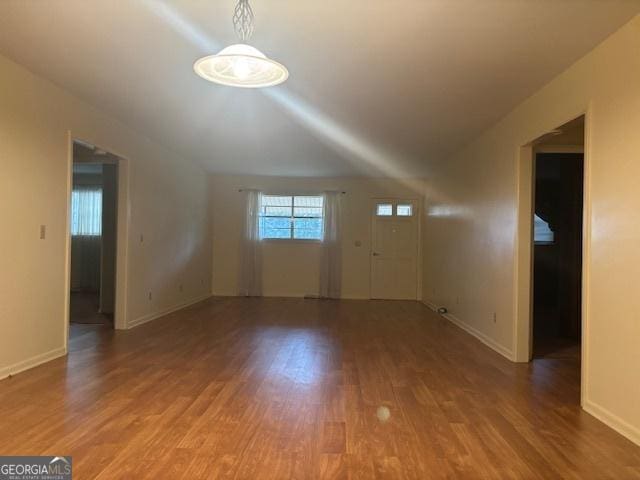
291 216
404 210
384 210
86 212
542 233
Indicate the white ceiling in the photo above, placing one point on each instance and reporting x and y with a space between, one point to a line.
376 87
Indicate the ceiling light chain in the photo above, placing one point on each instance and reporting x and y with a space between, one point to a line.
243 20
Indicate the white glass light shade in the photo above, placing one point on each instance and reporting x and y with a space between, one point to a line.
241 65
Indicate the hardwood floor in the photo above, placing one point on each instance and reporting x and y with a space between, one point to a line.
288 388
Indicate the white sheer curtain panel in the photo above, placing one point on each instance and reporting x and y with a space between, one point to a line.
331 262
251 254
86 211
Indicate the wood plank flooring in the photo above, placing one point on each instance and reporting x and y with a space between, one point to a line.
292 388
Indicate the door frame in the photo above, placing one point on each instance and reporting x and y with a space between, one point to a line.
122 236
417 201
523 264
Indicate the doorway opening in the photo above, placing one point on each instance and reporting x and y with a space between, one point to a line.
557 218
93 243
551 243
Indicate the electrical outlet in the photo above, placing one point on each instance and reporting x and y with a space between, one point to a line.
43 232
150 296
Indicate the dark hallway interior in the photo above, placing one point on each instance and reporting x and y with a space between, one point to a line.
93 237
557 254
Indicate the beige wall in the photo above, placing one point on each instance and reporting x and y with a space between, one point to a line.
292 268
168 205
472 217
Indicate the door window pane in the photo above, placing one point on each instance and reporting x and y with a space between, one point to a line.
404 210
384 210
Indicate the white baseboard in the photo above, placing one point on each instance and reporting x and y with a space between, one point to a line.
32 362
152 316
618 424
489 342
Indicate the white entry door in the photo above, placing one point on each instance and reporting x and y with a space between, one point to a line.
394 249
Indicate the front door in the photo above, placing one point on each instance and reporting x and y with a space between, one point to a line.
394 249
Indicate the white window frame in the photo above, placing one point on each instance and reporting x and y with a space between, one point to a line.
291 237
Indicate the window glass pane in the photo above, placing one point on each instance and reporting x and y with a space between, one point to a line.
307 228
307 222
542 233
276 233
276 222
277 200
276 205
276 211
384 210
275 216
275 227
308 201
307 206
404 210
307 212
86 211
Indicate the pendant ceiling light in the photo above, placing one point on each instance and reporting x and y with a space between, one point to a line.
241 65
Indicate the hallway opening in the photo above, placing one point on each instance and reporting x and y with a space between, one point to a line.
93 230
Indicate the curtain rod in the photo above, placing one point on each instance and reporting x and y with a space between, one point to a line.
244 189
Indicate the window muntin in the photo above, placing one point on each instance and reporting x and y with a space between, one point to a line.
291 217
86 212
404 210
384 209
